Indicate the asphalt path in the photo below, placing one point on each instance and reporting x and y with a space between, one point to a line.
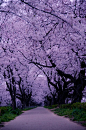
41 119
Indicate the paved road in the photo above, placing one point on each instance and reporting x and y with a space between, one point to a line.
41 119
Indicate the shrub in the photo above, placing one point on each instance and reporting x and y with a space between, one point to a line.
7 117
29 108
79 114
3 110
9 108
65 106
16 111
74 105
52 106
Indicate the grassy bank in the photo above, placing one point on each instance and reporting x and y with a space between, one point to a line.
76 111
7 113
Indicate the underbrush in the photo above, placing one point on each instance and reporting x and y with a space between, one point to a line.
52 106
75 105
76 111
7 113
75 114
25 109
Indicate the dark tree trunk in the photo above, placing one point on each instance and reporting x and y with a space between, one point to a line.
79 87
11 85
61 97
13 103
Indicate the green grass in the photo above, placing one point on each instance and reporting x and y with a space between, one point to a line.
76 111
63 112
7 113
74 105
52 106
7 117
76 114
25 109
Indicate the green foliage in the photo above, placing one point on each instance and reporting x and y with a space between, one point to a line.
75 111
7 113
84 124
79 115
49 107
63 112
16 111
25 109
52 106
76 114
74 105
5 109
65 106
0 119
9 108
7 117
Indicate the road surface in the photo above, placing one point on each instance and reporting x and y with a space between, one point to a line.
41 119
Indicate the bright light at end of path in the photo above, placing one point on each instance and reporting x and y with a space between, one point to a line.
72 0
41 76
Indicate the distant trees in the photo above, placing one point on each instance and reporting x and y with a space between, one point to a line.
24 94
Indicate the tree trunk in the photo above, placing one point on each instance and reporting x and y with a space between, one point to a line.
13 103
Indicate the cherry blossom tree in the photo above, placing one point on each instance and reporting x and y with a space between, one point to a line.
10 82
51 36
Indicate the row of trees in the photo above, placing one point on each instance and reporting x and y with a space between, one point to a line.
17 88
49 35
67 87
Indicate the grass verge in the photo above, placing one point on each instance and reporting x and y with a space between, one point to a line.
7 113
25 109
51 107
76 112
